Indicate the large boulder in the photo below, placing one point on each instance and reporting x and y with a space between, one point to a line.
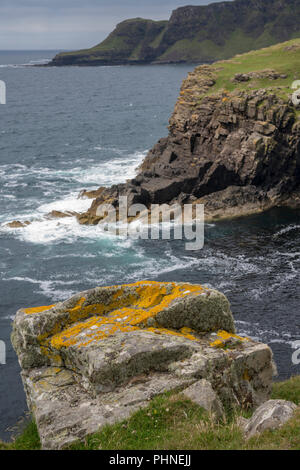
101 355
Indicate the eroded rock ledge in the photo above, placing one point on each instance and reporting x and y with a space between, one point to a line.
233 143
98 357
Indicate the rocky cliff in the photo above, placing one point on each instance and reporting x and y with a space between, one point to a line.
233 143
100 356
194 34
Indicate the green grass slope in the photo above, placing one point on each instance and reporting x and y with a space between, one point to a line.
283 59
129 42
172 422
195 34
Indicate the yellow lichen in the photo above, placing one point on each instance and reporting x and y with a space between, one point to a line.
129 309
31 311
224 338
246 375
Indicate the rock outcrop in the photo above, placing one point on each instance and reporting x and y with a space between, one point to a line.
233 143
100 356
270 415
194 34
202 393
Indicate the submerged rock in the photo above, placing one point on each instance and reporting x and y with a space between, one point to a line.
18 224
61 215
98 357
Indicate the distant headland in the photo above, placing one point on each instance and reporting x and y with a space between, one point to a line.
194 34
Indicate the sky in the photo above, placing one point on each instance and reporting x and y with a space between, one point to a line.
73 24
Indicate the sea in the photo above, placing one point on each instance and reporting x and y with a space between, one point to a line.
66 129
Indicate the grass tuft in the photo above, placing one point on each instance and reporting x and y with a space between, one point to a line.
172 422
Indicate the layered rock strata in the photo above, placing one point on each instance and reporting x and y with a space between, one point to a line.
234 148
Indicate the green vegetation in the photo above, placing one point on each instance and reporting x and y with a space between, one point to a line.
237 43
273 69
126 42
27 440
194 34
172 422
283 58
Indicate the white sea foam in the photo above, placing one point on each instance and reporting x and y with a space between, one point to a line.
113 171
27 64
285 230
66 229
7 317
48 287
280 341
49 231
70 203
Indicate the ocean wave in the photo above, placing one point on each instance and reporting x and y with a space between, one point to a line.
70 203
110 172
48 288
106 173
285 230
55 230
26 64
57 183
14 66
267 336
7 317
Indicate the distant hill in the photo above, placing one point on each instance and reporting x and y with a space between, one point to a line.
194 34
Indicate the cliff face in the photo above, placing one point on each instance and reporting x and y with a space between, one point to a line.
195 34
233 143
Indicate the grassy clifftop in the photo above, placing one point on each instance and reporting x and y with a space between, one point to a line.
273 68
195 34
233 140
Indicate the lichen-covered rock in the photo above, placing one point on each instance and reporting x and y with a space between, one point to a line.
79 323
203 394
98 357
270 415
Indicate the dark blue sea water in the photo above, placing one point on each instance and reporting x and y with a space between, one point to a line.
67 129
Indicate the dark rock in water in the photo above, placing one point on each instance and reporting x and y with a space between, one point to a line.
18 224
61 215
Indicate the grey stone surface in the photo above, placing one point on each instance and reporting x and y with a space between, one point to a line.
66 412
270 415
96 358
203 394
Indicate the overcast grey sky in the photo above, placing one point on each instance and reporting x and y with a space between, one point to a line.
73 24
